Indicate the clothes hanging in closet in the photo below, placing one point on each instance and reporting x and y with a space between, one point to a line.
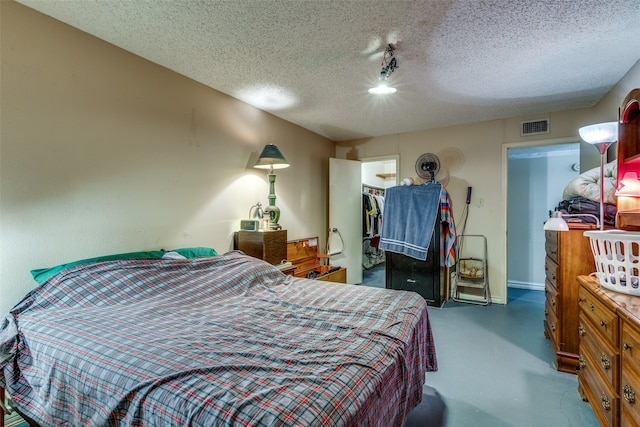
372 210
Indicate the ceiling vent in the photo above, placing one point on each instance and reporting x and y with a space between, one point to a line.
534 127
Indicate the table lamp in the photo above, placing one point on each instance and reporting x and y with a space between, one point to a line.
271 158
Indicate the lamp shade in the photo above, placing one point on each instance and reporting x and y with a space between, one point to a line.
600 133
556 223
271 158
629 185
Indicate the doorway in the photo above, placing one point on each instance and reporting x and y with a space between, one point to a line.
534 179
378 174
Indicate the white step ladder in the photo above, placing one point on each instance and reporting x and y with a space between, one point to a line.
470 276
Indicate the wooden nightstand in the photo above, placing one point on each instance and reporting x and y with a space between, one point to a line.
270 246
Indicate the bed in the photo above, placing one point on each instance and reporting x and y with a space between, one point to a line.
222 340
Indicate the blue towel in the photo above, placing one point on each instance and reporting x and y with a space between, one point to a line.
409 216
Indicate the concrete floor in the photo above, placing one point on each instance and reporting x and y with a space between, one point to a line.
496 367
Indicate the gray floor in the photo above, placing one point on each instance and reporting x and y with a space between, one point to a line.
496 367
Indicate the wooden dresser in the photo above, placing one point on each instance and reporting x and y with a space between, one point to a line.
609 374
270 246
568 256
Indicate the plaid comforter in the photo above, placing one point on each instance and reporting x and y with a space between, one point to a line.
220 341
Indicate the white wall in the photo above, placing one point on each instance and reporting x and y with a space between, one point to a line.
104 152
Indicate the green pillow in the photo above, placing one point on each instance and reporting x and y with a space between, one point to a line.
195 252
43 274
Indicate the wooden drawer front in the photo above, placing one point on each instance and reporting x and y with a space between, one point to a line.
604 320
606 358
551 270
551 244
630 377
630 397
551 297
603 399
630 346
338 276
551 322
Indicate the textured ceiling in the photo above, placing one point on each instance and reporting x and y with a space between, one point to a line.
311 61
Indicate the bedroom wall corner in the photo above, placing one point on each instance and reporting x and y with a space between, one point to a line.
104 152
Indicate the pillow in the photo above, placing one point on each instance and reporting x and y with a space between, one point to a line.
195 252
43 274
173 255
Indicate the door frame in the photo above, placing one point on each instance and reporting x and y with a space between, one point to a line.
504 188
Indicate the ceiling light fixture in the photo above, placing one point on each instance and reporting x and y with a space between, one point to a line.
389 64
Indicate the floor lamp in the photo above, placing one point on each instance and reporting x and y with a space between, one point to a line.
601 135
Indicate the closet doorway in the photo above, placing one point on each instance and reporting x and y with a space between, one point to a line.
378 174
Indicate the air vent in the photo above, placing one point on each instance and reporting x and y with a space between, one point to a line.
535 127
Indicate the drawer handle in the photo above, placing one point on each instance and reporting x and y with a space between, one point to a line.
580 300
581 330
603 323
604 360
553 327
411 281
546 313
606 404
591 307
553 302
581 362
629 394
627 346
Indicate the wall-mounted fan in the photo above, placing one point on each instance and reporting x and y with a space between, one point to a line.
428 168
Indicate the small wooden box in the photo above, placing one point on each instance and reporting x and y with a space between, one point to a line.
304 254
270 246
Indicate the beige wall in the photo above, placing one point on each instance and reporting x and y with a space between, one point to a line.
483 147
104 152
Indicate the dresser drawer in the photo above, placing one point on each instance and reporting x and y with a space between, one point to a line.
551 271
604 356
603 398
551 244
630 346
551 295
630 375
551 325
629 397
604 319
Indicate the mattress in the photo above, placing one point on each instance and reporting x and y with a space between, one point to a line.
213 341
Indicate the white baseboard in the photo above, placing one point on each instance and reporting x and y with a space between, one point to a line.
525 285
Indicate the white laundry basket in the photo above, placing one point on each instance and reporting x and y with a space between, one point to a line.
617 257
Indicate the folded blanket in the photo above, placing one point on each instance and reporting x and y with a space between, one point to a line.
409 217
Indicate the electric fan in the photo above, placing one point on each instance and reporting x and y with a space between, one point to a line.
428 166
